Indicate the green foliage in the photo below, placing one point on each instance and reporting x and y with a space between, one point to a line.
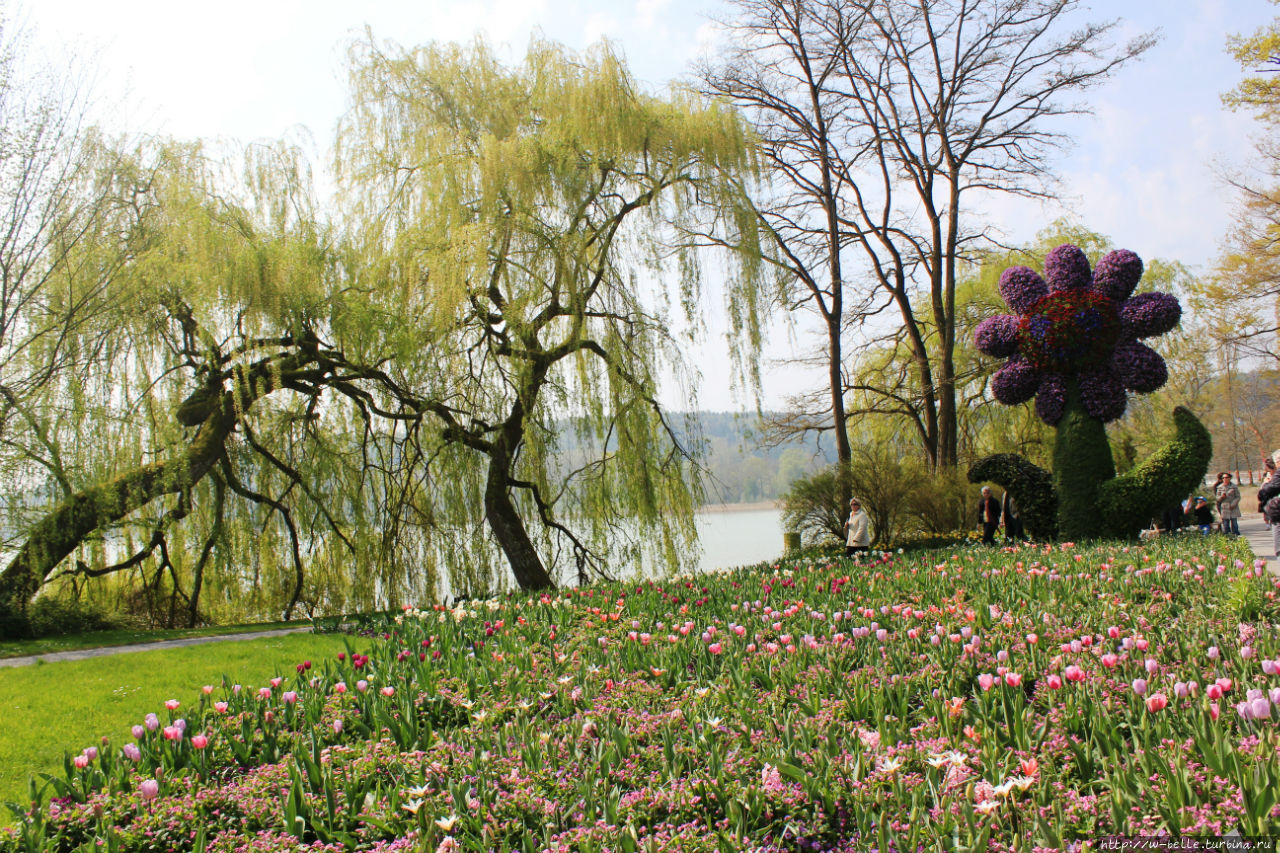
1081 462
52 615
1127 504
812 507
1031 486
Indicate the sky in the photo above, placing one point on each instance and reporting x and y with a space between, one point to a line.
1145 169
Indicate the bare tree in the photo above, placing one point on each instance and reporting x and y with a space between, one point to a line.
900 112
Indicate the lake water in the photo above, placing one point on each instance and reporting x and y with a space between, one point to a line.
739 537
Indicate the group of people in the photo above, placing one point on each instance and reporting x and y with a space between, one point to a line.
992 514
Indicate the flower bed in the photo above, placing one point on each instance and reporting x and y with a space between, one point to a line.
969 698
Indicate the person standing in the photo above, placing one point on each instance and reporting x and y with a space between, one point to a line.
1012 518
857 529
1204 515
1227 496
988 516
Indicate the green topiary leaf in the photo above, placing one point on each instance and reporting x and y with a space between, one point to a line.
1174 471
1031 487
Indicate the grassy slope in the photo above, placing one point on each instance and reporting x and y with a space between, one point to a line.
55 707
102 639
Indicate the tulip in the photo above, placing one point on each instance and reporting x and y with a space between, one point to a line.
220 707
337 727
1213 710
1270 667
153 722
80 761
986 680
1054 682
1013 679
1213 691
388 691
1180 689
715 648
138 732
1260 708
1152 666
1074 673
172 704
149 789
1212 653
362 685
132 752
289 697
1140 686
1109 660
199 741
1156 702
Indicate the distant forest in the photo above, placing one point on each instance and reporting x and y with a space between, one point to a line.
743 469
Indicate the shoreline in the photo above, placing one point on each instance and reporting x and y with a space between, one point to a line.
753 506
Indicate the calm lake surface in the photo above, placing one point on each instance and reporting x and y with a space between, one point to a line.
739 537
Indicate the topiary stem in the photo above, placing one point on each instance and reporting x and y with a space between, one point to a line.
1081 463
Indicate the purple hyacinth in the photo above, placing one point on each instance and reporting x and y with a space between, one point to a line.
1076 325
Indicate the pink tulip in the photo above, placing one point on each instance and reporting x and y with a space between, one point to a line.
199 741
1033 639
149 789
1013 679
1212 653
337 727
1246 652
220 707
1156 702
1113 632
1180 689
1074 673
1270 667
985 680
1152 666
172 704
153 722
132 752
264 692
91 752
388 691
1213 692
1260 708
1054 682
1225 684
1213 710
138 732
340 687
276 682
172 733
715 648
1140 644
1139 686
289 697
207 689
80 761
1109 660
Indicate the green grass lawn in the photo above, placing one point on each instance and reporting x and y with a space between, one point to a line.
52 708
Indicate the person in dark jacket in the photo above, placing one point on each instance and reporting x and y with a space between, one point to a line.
1204 515
988 516
1012 518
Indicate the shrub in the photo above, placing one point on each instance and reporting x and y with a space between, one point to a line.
1128 503
1031 487
53 616
812 507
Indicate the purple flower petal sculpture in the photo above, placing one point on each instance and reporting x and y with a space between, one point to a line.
1074 343
1077 328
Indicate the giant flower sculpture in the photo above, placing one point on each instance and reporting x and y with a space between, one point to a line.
1075 344
1077 326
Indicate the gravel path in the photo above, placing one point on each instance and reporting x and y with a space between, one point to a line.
81 654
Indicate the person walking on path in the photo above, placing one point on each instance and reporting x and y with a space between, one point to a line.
1227 496
1012 518
858 530
1269 503
988 516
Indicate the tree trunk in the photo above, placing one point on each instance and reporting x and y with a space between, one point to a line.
60 532
510 532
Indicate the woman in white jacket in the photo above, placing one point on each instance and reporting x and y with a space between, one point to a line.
858 529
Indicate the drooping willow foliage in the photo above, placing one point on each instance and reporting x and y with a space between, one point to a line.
450 385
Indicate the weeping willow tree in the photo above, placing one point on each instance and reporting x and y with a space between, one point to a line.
198 445
514 223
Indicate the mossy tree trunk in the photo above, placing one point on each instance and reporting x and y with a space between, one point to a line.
1081 464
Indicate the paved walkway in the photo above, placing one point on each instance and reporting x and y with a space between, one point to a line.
1254 529
82 654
